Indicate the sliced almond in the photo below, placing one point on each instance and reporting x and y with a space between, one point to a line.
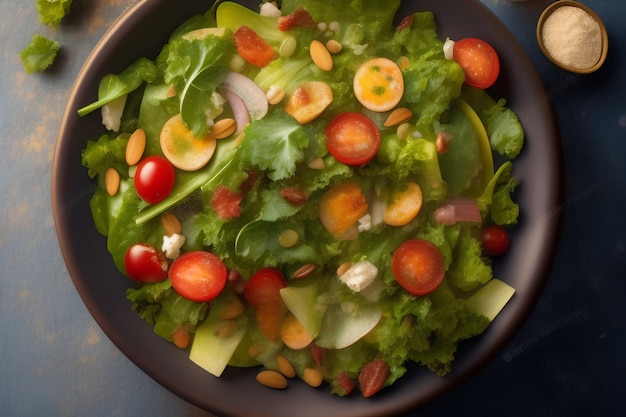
224 128
285 367
135 147
343 268
321 56
313 376
171 224
398 116
272 379
304 271
112 181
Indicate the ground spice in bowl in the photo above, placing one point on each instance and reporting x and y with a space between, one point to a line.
572 37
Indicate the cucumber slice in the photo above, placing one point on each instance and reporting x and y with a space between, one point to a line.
212 347
490 299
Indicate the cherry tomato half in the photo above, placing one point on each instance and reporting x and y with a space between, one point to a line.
479 61
495 240
264 286
143 263
154 179
198 275
418 266
353 138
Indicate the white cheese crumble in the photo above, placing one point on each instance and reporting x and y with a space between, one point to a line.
112 113
359 276
269 9
172 244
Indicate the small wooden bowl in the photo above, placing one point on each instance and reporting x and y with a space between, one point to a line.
603 34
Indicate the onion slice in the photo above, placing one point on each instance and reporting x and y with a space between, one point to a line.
251 94
240 111
458 209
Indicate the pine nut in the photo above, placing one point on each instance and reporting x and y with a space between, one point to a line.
275 94
333 46
272 379
317 163
313 376
288 238
224 128
288 46
403 130
285 367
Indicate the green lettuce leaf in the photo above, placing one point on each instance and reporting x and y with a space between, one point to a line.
470 269
39 54
196 67
113 86
51 12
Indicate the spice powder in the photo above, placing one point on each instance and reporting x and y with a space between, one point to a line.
572 37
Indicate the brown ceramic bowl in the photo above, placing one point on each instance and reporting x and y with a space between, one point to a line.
603 34
141 31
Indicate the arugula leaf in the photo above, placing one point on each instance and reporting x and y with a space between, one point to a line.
39 54
196 67
51 12
113 86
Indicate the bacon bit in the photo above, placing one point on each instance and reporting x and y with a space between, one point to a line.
253 47
226 203
181 336
248 184
318 354
346 383
294 196
299 18
405 23
441 144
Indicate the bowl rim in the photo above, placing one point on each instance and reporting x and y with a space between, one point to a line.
542 236
603 35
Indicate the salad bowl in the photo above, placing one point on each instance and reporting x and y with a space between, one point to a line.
141 31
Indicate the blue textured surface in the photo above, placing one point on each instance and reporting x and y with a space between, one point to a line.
566 361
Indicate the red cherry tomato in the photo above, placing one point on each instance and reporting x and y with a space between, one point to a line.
154 179
198 275
144 263
264 286
479 61
495 240
353 138
418 266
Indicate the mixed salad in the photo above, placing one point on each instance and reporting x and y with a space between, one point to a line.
309 190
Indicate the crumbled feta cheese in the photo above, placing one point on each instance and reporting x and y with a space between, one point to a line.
112 113
215 109
269 9
359 276
365 223
172 244
448 47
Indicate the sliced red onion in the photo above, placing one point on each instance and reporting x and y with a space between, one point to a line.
458 209
240 111
251 94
